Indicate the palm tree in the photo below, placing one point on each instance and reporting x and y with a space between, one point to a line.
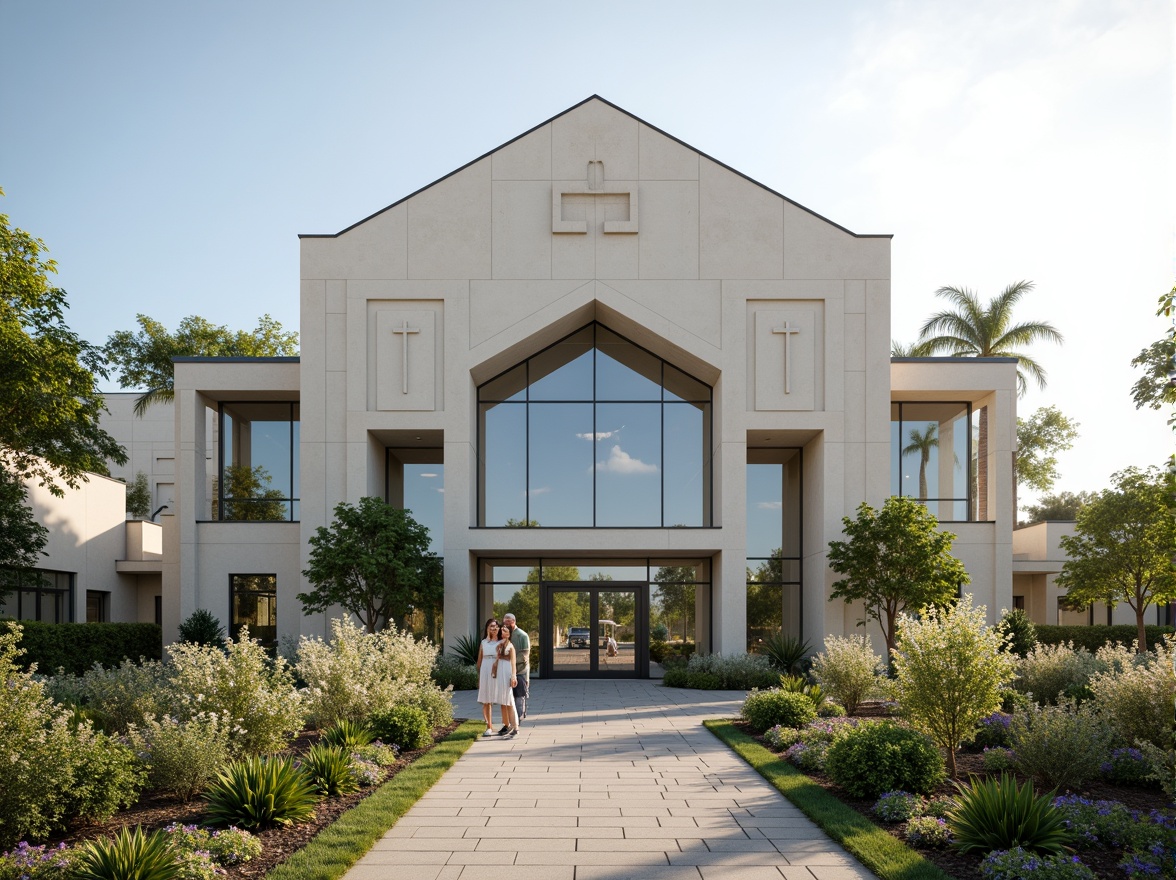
923 442
976 330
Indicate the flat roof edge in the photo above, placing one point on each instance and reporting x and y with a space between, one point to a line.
952 360
236 360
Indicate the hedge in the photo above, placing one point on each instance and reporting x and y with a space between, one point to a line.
1094 637
78 646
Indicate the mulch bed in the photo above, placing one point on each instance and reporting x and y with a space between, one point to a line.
277 844
967 867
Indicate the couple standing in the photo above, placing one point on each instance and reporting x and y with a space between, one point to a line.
504 674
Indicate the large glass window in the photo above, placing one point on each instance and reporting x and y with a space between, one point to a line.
37 595
931 457
416 483
259 462
255 604
773 544
594 431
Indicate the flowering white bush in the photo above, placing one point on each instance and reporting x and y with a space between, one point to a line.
950 669
849 670
1052 671
735 671
358 673
244 687
117 697
1136 692
183 756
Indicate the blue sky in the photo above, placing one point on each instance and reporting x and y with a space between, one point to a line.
170 154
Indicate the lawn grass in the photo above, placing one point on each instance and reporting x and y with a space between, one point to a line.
883 854
341 844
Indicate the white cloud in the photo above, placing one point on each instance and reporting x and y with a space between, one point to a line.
771 505
620 462
542 490
603 435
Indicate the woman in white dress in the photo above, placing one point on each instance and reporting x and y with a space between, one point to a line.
506 677
492 679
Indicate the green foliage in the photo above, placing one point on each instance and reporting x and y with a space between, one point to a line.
999 760
1136 692
244 686
406 726
144 359
1122 547
676 678
374 561
1049 672
658 649
106 777
449 672
248 496
997 813
139 496
202 627
1013 864
50 428
1154 389
348 734
259 793
1097 635
1018 630
898 806
1062 507
764 709
895 559
873 758
329 768
182 757
737 672
1063 745
22 538
38 863
129 855
226 847
75 647
116 697
993 731
1039 439
703 681
798 684
928 831
950 670
659 632
848 670
785 652
465 649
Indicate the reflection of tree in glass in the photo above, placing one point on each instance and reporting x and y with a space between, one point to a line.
923 442
674 597
248 496
765 606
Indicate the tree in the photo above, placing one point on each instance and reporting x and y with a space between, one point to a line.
923 442
950 670
1039 437
22 538
895 559
50 405
1122 547
144 359
676 596
1062 507
914 350
248 496
139 497
975 330
1155 387
374 561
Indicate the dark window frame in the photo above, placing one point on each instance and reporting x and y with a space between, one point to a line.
969 498
291 503
22 582
234 626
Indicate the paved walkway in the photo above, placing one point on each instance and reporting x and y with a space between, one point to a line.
607 780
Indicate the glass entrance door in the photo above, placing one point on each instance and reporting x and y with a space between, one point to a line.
595 631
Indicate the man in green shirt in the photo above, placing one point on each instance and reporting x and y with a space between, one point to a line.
522 646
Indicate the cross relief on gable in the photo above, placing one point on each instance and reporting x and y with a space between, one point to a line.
593 186
784 363
405 359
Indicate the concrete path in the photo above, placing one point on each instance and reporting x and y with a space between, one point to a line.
607 780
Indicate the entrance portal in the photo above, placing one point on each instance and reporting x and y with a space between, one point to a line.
592 631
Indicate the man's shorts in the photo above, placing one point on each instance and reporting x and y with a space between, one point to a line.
520 689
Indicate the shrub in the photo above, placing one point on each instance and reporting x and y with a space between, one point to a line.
130 853
996 813
800 685
1136 691
203 628
872 758
1019 632
765 709
848 670
928 831
227 847
182 757
351 735
784 652
898 806
1017 863
829 709
1126 767
116 697
1063 745
106 777
75 647
377 753
449 672
357 673
658 649
406 726
807 747
1093 637
434 702
675 678
739 672
1049 672
27 862
703 681
465 649
1097 824
259 793
939 807
993 731
244 687
999 760
1163 767
659 632
329 768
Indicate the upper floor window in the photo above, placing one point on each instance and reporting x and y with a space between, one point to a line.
259 462
594 431
931 457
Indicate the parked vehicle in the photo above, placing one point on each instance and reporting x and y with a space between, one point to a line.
579 637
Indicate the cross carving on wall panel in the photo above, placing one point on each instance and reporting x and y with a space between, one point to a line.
403 331
787 331
594 185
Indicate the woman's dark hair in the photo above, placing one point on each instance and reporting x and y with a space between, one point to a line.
486 627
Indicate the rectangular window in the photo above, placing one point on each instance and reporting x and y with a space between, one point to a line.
46 596
259 462
97 607
774 533
932 457
159 610
254 600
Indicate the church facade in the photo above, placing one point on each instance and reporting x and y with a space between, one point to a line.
631 391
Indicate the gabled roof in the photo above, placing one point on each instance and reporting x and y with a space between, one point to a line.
619 110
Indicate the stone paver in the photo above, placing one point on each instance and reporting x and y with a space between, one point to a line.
606 780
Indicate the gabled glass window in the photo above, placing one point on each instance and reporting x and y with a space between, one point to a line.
931 455
594 431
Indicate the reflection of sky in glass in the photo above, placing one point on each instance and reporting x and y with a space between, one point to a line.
685 465
504 467
561 464
423 495
270 447
628 472
935 435
765 508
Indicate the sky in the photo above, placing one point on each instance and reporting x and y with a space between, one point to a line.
169 154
